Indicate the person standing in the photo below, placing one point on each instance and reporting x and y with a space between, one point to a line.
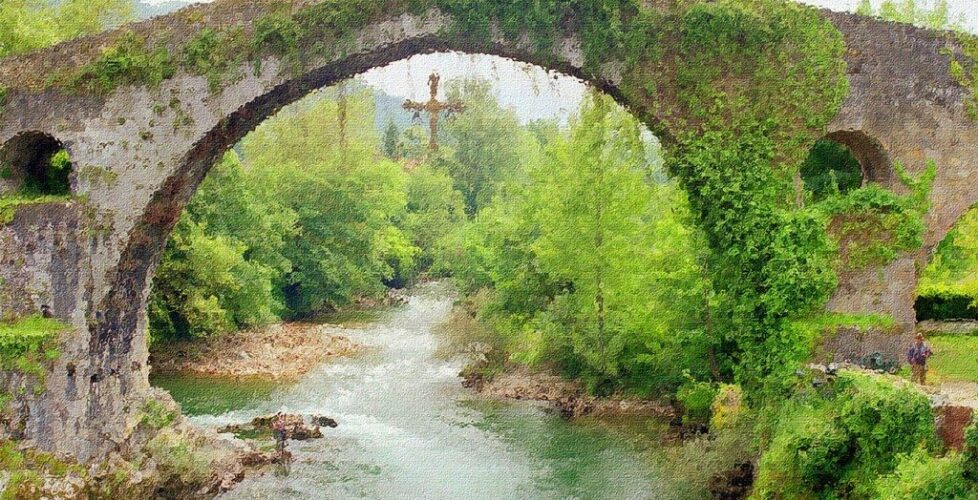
917 357
278 429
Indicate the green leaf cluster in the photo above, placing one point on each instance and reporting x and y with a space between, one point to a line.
921 476
309 218
949 284
873 225
128 61
593 266
839 440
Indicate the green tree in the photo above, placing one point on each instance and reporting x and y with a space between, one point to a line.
221 265
27 25
392 141
487 143
327 167
434 209
934 14
593 267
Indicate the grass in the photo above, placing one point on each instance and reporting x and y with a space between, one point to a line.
10 204
955 359
831 321
26 342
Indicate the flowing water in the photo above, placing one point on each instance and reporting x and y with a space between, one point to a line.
408 430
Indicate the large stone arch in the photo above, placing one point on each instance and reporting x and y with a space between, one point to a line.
140 152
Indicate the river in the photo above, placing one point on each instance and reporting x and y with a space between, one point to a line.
409 430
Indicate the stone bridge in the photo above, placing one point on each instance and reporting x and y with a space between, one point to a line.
140 147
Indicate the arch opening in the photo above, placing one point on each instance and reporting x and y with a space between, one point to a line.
408 150
33 165
948 286
843 161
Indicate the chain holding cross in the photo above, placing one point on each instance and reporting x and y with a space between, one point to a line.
434 108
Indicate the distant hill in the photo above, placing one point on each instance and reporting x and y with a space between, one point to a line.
387 108
146 11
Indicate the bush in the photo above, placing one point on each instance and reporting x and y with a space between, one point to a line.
696 399
727 408
885 421
840 440
807 454
919 476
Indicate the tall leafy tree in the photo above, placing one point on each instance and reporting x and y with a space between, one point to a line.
592 264
487 143
222 263
324 162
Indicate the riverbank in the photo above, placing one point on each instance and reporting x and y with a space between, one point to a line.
281 352
568 396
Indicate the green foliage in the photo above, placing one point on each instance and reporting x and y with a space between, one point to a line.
830 169
127 62
954 358
27 343
26 470
345 197
933 14
696 399
11 203
181 457
434 209
920 476
222 262
50 186
53 181
874 225
310 220
965 70
157 415
27 25
214 55
832 321
488 144
943 302
949 284
594 269
838 441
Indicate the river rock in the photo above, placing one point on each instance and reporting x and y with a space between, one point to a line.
295 427
324 421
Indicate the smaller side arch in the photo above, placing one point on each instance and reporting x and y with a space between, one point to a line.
869 152
26 161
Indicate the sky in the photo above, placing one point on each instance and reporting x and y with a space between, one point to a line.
530 90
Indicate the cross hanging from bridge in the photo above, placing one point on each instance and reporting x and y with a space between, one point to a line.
434 108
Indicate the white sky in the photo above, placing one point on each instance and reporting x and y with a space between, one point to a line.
527 89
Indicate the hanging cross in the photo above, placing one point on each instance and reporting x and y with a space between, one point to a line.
433 107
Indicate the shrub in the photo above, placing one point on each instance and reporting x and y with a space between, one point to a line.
808 454
919 476
837 441
885 421
696 399
727 408
945 303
